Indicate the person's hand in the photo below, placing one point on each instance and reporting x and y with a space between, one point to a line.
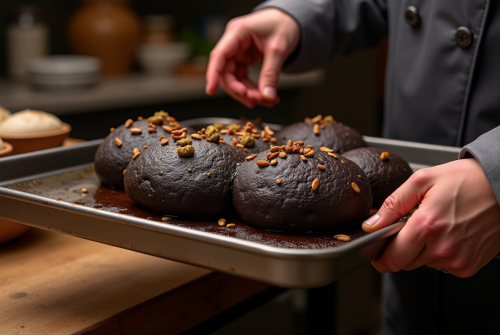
268 35
455 229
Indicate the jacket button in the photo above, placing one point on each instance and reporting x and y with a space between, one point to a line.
411 16
463 37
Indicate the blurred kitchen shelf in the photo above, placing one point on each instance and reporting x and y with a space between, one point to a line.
126 91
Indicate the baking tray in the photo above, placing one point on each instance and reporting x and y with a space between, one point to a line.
42 189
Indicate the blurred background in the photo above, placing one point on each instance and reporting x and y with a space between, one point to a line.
150 55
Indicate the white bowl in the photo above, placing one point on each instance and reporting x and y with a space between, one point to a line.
64 72
161 59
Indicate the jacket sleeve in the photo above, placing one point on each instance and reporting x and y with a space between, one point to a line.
331 27
486 150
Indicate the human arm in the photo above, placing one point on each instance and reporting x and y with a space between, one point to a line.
315 31
457 225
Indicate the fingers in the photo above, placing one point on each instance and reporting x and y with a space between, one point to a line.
232 41
402 250
401 202
274 57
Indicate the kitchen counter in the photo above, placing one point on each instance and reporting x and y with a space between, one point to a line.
126 92
57 284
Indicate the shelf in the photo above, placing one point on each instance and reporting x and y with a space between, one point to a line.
125 92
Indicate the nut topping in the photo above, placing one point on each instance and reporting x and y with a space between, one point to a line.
278 181
309 153
355 187
164 141
136 131
282 154
249 158
303 158
316 129
118 142
136 150
186 151
325 149
268 131
128 123
230 225
262 163
315 184
196 136
167 129
331 154
274 162
275 148
321 166
221 222
84 190
136 155
317 118
274 155
165 218
342 237
384 155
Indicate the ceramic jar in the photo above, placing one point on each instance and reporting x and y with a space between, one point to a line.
107 29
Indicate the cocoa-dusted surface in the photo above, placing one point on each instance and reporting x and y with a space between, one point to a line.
292 205
110 160
385 175
67 187
159 179
259 145
339 137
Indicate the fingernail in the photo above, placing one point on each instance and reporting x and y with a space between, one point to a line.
269 93
371 221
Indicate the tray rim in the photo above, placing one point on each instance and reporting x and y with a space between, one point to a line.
206 237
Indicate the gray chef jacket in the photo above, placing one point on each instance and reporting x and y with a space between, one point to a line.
441 89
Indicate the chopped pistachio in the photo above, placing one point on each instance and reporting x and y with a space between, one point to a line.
248 141
218 126
235 126
212 134
184 142
186 151
329 120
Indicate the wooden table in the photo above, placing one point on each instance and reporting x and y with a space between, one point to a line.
57 284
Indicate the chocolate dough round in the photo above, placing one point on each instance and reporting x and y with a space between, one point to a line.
338 137
195 186
281 197
385 175
110 159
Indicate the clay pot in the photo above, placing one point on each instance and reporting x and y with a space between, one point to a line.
10 230
7 150
23 143
107 29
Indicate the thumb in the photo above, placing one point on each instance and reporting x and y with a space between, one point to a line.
274 57
399 203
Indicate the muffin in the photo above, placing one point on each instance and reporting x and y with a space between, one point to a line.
248 137
32 130
4 113
385 170
294 188
30 121
188 177
322 132
117 149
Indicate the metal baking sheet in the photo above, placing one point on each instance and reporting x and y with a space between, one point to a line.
42 189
